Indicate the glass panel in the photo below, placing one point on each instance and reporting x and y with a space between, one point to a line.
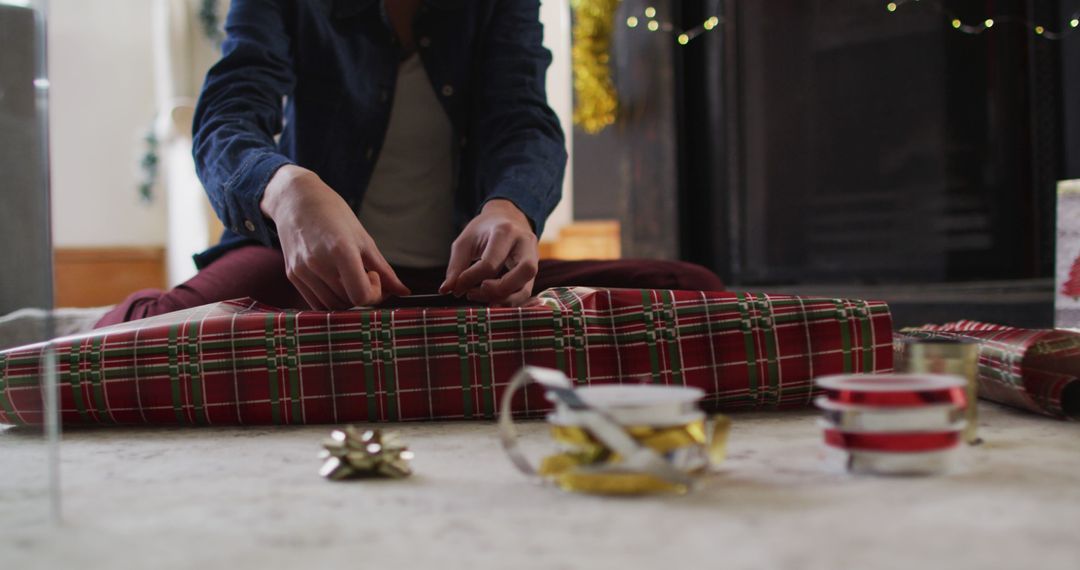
29 433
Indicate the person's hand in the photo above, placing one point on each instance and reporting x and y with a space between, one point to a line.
329 256
495 258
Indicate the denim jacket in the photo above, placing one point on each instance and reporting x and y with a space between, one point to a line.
311 82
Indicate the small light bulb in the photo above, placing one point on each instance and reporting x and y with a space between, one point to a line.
1039 30
708 25
650 12
631 22
891 6
989 23
654 25
1074 22
957 23
684 39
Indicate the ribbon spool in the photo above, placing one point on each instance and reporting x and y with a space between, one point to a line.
892 423
618 439
895 390
849 417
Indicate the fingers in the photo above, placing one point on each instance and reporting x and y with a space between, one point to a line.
514 280
515 286
461 253
309 297
355 280
391 284
514 299
314 289
376 285
488 266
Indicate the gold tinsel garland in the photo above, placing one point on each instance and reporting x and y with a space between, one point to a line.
595 100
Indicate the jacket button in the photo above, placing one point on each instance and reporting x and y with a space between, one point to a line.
447 90
249 225
425 41
370 153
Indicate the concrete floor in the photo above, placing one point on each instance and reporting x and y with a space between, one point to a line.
251 498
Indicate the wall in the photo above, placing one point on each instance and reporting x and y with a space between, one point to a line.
555 16
101 70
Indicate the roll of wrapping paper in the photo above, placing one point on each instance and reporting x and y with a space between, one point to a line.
599 455
947 356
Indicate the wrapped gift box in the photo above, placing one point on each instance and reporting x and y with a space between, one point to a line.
239 362
1032 369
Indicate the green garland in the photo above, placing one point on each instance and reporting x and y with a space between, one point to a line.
208 17
148 166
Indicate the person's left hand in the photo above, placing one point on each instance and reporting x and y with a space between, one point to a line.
495 258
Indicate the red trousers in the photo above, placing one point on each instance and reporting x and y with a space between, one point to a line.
259 272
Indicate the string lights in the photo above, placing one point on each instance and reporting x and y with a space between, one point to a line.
683 37
647 19
596 102
976 28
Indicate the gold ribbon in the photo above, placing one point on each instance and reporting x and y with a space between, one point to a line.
650 459
587 465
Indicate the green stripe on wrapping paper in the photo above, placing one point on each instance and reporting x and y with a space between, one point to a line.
483 354
463 363
192 350
95 378
750 351
845 335
772 364
386 342
558 341
5 402
369 367
671 332
270 335
650 334
76 382
867 337
174 375
292 367
579 339
1003 357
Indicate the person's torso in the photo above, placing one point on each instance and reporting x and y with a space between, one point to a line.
408 205
346 60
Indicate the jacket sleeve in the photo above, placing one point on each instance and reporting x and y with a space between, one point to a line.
240 112
521 147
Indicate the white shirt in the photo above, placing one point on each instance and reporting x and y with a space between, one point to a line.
409 204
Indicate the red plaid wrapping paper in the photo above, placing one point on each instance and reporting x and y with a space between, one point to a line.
239 362
1032 369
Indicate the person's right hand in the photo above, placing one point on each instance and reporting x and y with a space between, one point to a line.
329 256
